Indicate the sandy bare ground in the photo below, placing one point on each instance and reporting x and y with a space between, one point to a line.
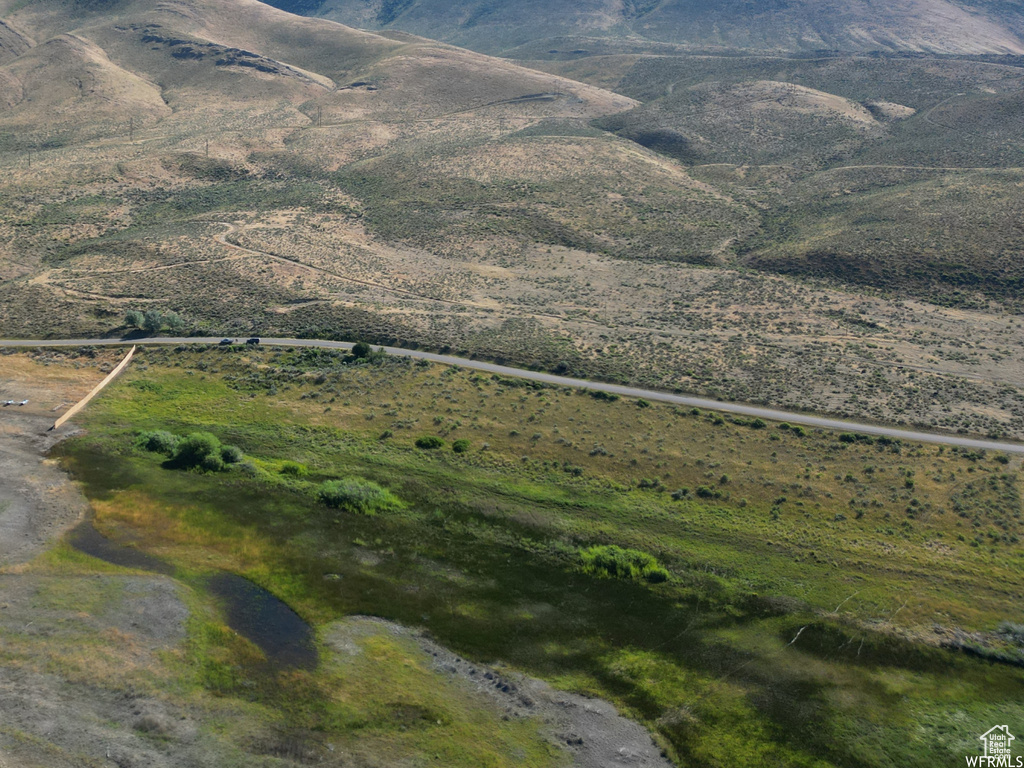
37 502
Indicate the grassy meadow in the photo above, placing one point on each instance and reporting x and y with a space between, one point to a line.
829 600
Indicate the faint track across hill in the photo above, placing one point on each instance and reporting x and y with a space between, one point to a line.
222 239
802 419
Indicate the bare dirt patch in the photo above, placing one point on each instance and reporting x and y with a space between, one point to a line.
38 503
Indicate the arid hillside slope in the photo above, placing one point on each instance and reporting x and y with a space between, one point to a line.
233 169
935 26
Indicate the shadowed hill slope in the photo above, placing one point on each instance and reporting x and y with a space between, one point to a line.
938 26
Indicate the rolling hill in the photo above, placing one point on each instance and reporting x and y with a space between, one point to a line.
693 222
500 26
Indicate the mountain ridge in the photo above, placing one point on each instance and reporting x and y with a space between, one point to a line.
783 26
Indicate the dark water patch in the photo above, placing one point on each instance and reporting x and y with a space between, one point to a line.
85 538
253 612
270 623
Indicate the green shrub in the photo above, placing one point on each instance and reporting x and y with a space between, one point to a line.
460 446
620 563
191 451
231 454
213 463
429 442
249 469
160 441
361 349
294 469
354 494
1011 632
152 320
173 321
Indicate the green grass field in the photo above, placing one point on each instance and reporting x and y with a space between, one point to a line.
812 577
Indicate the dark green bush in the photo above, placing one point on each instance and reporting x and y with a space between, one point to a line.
620 563
231 454
160 441
213 463
153 320
705 492
354 494
460 446
191 451
429 442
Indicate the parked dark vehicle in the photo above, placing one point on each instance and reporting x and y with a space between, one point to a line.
253 340
227 341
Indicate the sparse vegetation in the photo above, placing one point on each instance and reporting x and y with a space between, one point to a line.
830 232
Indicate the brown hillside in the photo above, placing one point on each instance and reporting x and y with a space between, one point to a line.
493 26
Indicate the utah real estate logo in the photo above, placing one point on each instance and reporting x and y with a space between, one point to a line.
998 750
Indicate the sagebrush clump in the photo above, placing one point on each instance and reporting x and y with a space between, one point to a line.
355 494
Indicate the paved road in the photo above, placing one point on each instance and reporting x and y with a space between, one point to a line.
564 381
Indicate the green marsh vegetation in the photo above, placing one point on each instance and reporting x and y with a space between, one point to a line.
796 615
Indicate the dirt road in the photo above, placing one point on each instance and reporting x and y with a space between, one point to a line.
754 411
